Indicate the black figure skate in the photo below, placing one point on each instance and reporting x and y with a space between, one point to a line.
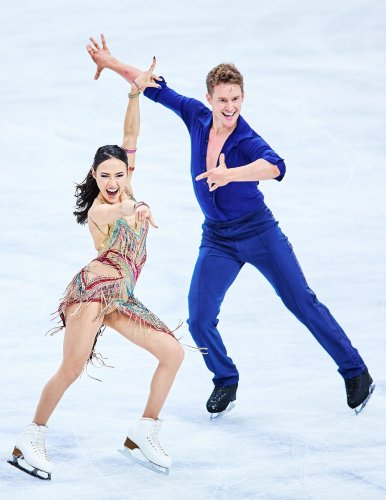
359 390
221 401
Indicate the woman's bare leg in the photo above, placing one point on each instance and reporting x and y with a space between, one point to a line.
163 346
79 337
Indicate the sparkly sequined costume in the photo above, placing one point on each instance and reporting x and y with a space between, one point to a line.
111 277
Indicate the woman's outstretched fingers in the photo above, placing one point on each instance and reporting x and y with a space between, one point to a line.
152 221
153 77
152 66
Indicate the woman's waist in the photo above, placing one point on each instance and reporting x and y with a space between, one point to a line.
121 257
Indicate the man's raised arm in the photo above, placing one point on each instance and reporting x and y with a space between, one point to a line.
186 108
103 59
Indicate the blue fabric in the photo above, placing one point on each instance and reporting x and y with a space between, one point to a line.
243 146
257 239
239 229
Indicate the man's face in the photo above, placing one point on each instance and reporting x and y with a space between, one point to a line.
226 103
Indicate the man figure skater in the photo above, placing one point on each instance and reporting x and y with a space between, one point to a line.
239 228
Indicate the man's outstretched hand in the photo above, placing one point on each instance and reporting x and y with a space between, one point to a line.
101 56
216 177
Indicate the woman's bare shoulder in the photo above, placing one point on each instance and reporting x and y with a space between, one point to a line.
96 230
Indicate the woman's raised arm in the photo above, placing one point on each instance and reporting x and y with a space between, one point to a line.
131 125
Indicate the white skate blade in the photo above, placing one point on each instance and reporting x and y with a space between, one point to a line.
221 414
28 469
138 457
361 407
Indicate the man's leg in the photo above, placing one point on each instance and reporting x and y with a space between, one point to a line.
213 274
273 255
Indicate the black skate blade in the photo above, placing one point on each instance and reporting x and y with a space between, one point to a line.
33 472
361 407
138 457
221 414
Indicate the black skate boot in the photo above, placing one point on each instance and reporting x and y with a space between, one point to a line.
221 401
359 390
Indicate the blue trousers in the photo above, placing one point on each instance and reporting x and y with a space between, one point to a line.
257 239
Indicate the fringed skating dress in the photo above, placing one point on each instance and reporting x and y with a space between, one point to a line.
111 277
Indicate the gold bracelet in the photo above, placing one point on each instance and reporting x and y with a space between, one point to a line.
135 94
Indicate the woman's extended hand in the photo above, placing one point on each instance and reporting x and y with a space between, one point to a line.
143 212
101 56
147 78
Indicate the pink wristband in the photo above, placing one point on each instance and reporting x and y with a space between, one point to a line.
130 151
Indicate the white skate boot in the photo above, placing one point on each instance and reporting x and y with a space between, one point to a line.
29 454
142 446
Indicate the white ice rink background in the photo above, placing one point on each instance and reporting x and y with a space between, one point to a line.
315 83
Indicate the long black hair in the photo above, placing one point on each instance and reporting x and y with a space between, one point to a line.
87 191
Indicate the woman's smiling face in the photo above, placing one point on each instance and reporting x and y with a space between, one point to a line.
111 178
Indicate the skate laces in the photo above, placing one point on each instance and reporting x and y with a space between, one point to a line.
352 385
359 383
42 446
154 437
358 388
219 393
38 444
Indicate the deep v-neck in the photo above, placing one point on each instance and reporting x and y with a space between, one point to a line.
217 158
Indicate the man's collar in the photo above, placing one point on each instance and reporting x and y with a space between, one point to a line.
242 130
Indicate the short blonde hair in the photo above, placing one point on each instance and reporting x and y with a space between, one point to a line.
224 73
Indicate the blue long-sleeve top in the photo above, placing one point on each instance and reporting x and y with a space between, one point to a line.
243 146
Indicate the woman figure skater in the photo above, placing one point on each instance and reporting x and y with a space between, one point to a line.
102 294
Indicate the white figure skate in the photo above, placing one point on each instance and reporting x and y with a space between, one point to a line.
142 446
29 453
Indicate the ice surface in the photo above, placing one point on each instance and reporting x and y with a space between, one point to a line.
315 90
